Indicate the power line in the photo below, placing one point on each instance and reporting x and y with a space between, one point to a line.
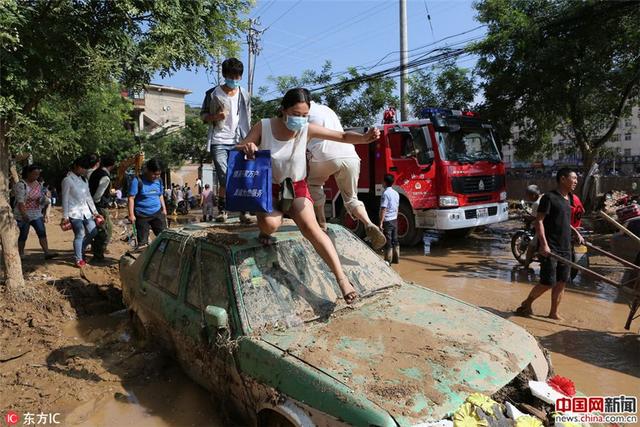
262 9
336 28
444 55
285 12
417 56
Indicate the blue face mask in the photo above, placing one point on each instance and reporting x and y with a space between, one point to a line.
295 123
231 83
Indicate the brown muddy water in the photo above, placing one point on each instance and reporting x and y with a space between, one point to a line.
589 346
166 397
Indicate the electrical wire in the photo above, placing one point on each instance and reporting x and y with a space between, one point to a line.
285 12
336 28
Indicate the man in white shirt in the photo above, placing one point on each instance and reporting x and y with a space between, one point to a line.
389 203
226 109
340 160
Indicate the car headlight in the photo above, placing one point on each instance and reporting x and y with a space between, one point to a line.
448 201
503 196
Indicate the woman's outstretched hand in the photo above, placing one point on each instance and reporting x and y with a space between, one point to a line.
372 134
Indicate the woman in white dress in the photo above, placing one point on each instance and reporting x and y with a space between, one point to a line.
287 137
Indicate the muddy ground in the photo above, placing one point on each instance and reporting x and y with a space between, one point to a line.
67 346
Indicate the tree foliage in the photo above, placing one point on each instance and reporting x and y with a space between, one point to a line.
62 128
564 67
187 143
60 50
67 47
449 87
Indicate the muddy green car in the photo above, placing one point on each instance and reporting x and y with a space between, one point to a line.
265 330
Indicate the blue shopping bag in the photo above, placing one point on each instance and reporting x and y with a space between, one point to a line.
249 182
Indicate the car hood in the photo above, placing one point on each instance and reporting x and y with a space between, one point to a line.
414 352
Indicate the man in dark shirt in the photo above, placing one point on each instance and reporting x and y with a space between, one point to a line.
553 230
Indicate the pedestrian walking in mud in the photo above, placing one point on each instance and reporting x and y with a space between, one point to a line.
147 209
340 160
554 230
227 110
287 137
100 187
28 210
389 204
206 202
78 208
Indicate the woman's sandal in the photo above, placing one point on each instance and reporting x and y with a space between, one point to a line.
266 239
352 296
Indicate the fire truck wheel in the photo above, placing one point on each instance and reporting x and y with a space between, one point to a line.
351 223
408 234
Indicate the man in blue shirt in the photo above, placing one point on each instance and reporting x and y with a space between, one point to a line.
146 202
389 204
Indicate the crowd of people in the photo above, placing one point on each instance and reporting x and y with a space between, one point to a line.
302 126
307 145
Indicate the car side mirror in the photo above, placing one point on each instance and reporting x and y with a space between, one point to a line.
216 317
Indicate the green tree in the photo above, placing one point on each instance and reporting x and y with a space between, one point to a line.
564 67
67 47
62 128
175 146
449 87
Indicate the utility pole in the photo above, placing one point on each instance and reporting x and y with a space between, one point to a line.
253 50
404 112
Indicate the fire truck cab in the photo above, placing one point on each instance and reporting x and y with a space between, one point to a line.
447 169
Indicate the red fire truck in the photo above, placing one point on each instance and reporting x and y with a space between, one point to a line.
447 169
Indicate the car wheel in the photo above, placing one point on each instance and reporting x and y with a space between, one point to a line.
139 330
408 234
273 419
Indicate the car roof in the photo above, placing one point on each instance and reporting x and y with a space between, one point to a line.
234 235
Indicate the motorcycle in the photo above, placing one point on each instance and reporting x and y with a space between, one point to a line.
521 240
523 237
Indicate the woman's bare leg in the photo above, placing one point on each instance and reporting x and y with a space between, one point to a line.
268 223
305 219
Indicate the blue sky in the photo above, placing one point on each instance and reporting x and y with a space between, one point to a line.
302 34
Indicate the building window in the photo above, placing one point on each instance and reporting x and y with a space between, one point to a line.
615 137
136 95
627 151
627 122
627 136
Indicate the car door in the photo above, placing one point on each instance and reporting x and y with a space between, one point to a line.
206 354
160 289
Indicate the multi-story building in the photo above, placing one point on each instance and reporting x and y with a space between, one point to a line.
158 107
623 156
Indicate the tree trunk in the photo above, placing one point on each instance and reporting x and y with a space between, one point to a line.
588 159
11 262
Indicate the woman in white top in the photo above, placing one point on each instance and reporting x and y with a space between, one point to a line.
287 137
78 207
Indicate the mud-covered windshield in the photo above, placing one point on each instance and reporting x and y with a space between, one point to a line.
467 146
287 284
